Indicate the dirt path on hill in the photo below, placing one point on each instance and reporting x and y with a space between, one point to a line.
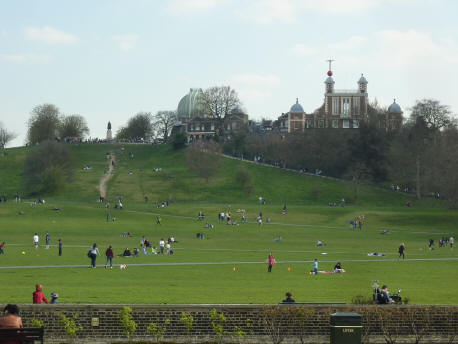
107 177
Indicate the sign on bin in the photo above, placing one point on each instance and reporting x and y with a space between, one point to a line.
346 328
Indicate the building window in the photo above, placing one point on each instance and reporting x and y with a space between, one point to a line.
296 125
335 123
335 106
346 123
356 123
309 123
346 106
212 126
356 106
321 123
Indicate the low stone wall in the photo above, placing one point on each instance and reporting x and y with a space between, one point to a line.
246 323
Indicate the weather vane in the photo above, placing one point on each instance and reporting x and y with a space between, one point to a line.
329 70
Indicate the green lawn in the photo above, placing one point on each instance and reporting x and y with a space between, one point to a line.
184 277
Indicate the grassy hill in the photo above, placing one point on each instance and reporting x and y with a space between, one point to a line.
202 271
134 178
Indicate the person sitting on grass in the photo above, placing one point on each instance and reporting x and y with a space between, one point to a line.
126 253
136 253
338 268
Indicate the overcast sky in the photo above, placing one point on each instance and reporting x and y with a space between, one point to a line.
107 60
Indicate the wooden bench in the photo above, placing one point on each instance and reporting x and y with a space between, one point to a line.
22 335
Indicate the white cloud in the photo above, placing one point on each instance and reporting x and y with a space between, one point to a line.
351 43
126 42
303 50
411 47
49 35
253 95
268 11
186 6
24 58
253 79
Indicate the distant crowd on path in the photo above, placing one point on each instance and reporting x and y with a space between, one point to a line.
443 242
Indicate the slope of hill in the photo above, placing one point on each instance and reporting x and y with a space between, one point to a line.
134 178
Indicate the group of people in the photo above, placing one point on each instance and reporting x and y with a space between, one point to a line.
357 222
337 268
443 242
36 240
164 248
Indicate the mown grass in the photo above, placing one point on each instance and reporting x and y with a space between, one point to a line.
81 221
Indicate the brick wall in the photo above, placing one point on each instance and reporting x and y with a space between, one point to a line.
259 322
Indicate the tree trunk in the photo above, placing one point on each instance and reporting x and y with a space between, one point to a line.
417 177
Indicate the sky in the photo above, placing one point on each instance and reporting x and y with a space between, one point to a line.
109 59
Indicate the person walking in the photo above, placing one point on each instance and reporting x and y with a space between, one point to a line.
93 253
401 251
451 241
270 261
38 296
35 241
60 247
314 267
162 245
2 245
48 240
109 253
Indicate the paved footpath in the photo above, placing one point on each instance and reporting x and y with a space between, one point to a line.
223 263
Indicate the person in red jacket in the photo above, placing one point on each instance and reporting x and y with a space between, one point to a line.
38 296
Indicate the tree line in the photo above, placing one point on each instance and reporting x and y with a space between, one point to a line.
421 157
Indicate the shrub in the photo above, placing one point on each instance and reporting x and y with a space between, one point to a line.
127 321
70 325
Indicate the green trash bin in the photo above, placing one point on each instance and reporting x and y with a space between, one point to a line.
346 328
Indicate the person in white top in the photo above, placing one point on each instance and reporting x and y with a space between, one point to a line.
161 245
167 247
35 241
451 241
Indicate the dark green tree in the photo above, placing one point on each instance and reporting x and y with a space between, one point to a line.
48 168
138 127
43 124
368 149
73 126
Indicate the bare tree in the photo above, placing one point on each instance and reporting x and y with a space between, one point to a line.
73 126
436 115
5 136
219 101
163 122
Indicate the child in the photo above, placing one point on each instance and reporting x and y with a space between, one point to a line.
54 297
